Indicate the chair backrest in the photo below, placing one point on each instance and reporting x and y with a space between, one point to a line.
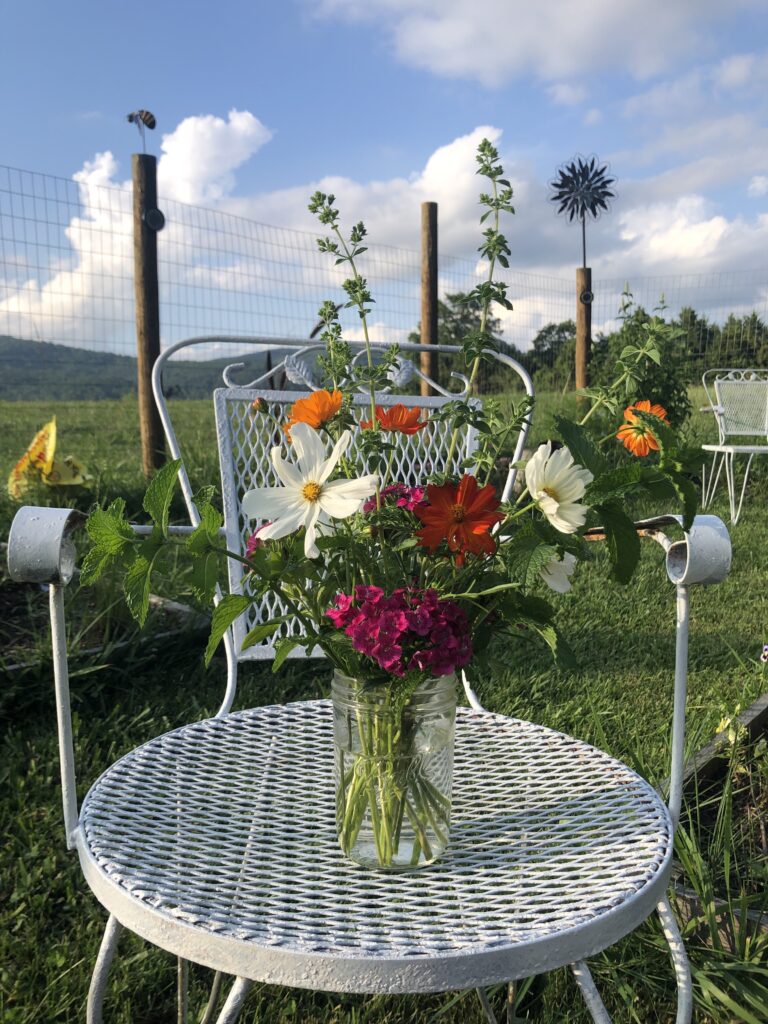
246 437
740 402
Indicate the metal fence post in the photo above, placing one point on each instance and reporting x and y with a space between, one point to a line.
147 221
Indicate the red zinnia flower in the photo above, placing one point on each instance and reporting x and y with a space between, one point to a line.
462 515
398 418
636 436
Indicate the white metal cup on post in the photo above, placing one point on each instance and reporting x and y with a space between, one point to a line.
704 556
41 550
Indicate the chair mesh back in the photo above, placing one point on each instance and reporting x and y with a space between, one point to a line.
743 407
245 440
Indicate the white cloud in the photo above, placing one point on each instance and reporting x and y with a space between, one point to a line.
593 116
683 230
201 154
758 186
735 71
551 39
677 95
390 208
567 94
242 277
89 292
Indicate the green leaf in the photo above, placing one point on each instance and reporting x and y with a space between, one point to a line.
283 648
662 431
584 450
536 614
616 483
108 528
409 542
527 555
204 577
623 541
136 587
261 632
564 657
204 496
206 535
94 564
157 500
224 614
687 493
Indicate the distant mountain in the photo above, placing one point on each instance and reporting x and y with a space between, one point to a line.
39 370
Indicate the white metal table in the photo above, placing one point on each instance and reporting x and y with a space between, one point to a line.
217 842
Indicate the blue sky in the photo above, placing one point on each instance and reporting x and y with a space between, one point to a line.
258 104
339 93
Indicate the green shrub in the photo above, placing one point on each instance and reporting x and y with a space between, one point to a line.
665 382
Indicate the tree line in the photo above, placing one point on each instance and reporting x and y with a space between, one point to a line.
695 346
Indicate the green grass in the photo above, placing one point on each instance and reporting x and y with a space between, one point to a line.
620 698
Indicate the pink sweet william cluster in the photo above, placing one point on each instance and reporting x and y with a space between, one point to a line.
410 629
399 495
255 542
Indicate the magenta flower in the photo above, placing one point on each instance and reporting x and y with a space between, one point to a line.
341 615
398 495
410 629
254 542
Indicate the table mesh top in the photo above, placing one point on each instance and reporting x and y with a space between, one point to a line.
229 825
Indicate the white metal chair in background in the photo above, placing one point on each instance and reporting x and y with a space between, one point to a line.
739 400
217 841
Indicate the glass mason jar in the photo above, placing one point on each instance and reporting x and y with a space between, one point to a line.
393 768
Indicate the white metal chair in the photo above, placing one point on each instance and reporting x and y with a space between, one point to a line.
739 400
217 840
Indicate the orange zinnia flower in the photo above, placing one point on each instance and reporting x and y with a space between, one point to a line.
398 418
315 410
462 515
636 436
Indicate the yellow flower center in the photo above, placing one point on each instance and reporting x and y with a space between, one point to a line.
458 512
551 493
311 491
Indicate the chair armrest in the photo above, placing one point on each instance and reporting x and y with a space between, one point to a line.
173 531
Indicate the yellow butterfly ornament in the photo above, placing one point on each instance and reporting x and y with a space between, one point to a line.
39 462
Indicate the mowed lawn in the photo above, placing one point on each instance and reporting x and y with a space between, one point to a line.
619 698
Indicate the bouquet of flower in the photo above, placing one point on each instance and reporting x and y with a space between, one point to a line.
404 583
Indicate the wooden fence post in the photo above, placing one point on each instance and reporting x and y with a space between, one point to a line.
583 324
429 360
147 221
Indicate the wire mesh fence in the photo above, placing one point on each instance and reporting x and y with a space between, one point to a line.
66 283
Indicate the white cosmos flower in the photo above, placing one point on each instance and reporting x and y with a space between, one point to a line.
557 571
307 498
557 484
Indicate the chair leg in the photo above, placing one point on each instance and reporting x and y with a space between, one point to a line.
730 479
708 488
680 962
586 984
234 1004
490 1016
213 998
730 475
101 971
182 990
735 518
